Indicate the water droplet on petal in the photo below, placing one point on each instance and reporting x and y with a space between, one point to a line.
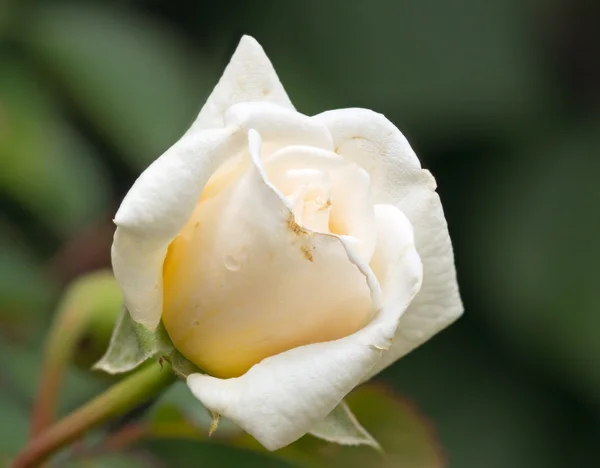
232 262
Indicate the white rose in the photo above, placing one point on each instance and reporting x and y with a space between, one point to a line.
290 257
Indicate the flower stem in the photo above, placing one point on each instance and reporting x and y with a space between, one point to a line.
62 339
137 388
95 294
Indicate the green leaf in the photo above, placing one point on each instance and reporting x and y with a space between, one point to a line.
14 427
167 420
186 453
342 427
131 345
109 461
137 81
406 438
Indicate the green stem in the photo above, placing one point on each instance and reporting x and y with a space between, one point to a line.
133 390
62 339
91 296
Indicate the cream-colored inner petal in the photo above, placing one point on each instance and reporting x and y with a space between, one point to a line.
327 193
247 279
309 194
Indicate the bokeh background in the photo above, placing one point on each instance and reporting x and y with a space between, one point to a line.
499 98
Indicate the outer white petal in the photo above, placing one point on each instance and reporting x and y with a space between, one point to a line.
438 303
281 398
249 77
279 126
372 141
156 208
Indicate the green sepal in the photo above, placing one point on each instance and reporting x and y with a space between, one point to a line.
180 365
342 427
132 344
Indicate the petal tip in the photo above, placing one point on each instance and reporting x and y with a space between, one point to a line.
248 40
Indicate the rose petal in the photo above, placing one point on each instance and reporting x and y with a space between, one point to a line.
438 303
154 211
392 249
164 196
249 77
279 126
370 140
284 396
352 208
375 144
243 281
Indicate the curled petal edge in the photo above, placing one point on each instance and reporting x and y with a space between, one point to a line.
156 208
373 142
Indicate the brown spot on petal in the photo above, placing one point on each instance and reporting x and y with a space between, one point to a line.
307 251
294 226
325 205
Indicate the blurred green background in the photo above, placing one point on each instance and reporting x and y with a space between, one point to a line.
499 98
